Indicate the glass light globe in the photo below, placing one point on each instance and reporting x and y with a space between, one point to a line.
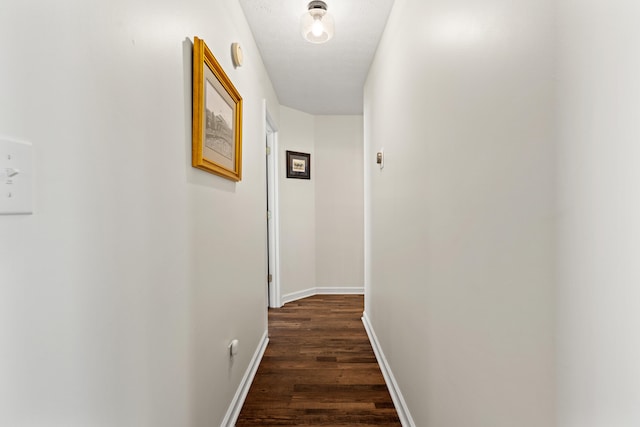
317 26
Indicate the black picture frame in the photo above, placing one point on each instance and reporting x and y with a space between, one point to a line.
298 165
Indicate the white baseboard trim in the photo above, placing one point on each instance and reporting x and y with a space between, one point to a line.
323 290
233 412
294 296
392 385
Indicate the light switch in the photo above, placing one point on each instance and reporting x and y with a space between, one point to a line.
16 177
11 172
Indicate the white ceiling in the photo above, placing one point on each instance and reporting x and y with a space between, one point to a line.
318 78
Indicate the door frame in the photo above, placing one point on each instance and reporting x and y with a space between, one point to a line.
273 229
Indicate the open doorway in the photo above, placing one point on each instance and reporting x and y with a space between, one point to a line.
273 266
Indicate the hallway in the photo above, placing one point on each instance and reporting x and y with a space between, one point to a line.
319 369
496 242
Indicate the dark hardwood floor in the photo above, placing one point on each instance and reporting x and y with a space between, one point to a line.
318 369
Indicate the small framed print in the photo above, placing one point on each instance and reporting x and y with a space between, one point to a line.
298 165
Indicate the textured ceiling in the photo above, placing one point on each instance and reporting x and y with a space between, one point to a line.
318 78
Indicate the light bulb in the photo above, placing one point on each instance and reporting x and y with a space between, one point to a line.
317 28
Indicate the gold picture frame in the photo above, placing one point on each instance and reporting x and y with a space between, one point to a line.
217 117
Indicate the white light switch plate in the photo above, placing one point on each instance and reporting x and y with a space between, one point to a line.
16 177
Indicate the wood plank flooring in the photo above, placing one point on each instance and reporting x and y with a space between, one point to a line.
318 369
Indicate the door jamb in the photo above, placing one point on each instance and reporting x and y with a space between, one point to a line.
273 244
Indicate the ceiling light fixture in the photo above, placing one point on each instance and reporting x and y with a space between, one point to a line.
317 25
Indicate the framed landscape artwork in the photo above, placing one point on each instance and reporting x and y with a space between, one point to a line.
217 117
298 165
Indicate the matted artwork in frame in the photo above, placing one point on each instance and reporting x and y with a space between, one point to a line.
298 165
217 117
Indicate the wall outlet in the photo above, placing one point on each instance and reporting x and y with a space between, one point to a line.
233 348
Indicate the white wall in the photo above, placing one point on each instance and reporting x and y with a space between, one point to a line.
297 205
321 220
460 225
339 201
118 297
599 214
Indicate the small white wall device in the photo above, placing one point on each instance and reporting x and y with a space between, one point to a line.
16 177
237 55
380 158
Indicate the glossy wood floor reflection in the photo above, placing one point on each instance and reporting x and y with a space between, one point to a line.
318 369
